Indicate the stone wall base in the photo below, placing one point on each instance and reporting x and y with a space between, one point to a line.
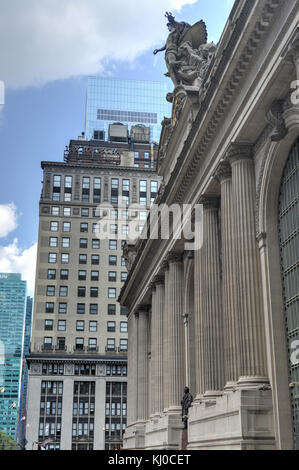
238 420
134 437
163 432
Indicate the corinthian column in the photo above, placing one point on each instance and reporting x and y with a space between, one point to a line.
253 367
211 305
142 365
157 341
229 279
174 336
132 367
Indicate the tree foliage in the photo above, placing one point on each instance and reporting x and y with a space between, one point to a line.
7 442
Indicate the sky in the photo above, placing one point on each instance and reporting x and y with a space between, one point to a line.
48 49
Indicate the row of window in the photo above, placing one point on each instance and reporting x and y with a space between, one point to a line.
80 326
80 345
81 308
66 243
49 368
113 228
82 275
95 259
81 292
111 214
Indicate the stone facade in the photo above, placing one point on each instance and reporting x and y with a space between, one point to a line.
214 319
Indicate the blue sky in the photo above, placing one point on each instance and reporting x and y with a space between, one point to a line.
45 77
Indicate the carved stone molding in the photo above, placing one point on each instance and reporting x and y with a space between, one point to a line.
209 201
275 117
158 280
291 54
239 151
223 172
141 309
69 369
36 369
101 370
164 265
174 257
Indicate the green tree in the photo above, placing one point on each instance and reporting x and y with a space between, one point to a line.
7 442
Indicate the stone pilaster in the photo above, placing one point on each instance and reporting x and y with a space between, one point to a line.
157 343
165 269
211 304
253 368
142 366
174 336
229 279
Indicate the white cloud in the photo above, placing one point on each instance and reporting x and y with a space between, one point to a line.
46 40
8 218
14 259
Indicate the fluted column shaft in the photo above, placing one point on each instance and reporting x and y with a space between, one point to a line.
157 341
165 267
132 367
142 366
210 287
252 328
174 337
198 313
229 279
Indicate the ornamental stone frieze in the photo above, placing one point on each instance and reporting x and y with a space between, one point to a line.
275 117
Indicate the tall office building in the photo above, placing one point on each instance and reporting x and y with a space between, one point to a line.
78 361
130 102
24 380
12 317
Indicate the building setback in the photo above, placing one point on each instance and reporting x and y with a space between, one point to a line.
12 318
78 360
223 318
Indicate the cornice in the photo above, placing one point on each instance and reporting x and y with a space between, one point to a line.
239 151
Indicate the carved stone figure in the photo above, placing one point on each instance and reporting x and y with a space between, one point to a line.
129 253
186 403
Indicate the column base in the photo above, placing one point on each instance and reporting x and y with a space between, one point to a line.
252 382
163 432
239 420
230 386
134 437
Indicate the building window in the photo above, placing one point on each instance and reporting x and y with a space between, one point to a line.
113 229
47 343
49 307
85 189
154 190
124 276
84 227
55 210
94 292
65 243
126 191
79 343
93 326
93 309
110 344
111 309
92 344
61 325
65 258
66 227
48 325
94 275
95 228
81 275
64 274
114 190
56 188
97 190
142 192
53 242
52 274
66 211
112 260
83 242
123 261
63 291
81 292
125 229
54 226
123 310
112 276
123 345
111 326
82 259
111 292
95 259
146 155
50 291
112 244
61 345
123 327
95 244
62 307
68 182
84 212
80 309
80 325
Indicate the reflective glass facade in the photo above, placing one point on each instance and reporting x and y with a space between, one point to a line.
130 102
12 319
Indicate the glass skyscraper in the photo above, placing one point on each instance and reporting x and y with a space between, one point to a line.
12 319
130 102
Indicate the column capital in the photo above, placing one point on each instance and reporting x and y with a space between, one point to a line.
209 201
164 265
158 280
239 151
141 309
174 257
292 52
223 171
189 254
